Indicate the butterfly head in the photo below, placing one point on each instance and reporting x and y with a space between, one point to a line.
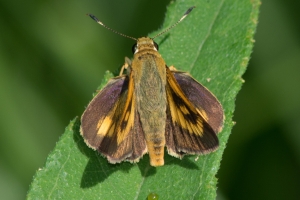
144 43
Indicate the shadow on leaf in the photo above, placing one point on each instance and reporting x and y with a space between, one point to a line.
164 39
185 162
98 169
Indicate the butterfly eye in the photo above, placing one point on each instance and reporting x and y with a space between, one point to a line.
134 47
156 46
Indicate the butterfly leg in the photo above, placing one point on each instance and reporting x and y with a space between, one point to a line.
127 66
172 68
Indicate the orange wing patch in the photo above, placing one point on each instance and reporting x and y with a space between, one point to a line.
187 130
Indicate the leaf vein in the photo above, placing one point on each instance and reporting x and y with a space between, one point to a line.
206 36
58 175
142 182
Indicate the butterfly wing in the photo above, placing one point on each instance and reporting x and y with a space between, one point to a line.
194 116
202 99
111 125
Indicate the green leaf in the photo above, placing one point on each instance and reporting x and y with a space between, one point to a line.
214 44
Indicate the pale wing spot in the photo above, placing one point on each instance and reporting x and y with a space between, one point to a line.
190 127
111 130
129 118
104 127
182 119
202 113
198 127
184 110
173 110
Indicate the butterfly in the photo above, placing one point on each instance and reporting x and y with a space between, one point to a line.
151 107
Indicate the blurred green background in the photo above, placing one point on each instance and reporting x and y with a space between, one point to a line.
50 58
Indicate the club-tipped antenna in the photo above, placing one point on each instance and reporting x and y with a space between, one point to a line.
99 22
184 16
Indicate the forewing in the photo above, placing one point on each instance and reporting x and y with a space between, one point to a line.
187 130
99 109
110 123
202 99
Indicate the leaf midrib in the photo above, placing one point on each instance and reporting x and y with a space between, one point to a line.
206 37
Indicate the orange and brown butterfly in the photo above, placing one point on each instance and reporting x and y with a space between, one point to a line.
151 107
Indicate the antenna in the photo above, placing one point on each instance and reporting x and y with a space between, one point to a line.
182 18
99 22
